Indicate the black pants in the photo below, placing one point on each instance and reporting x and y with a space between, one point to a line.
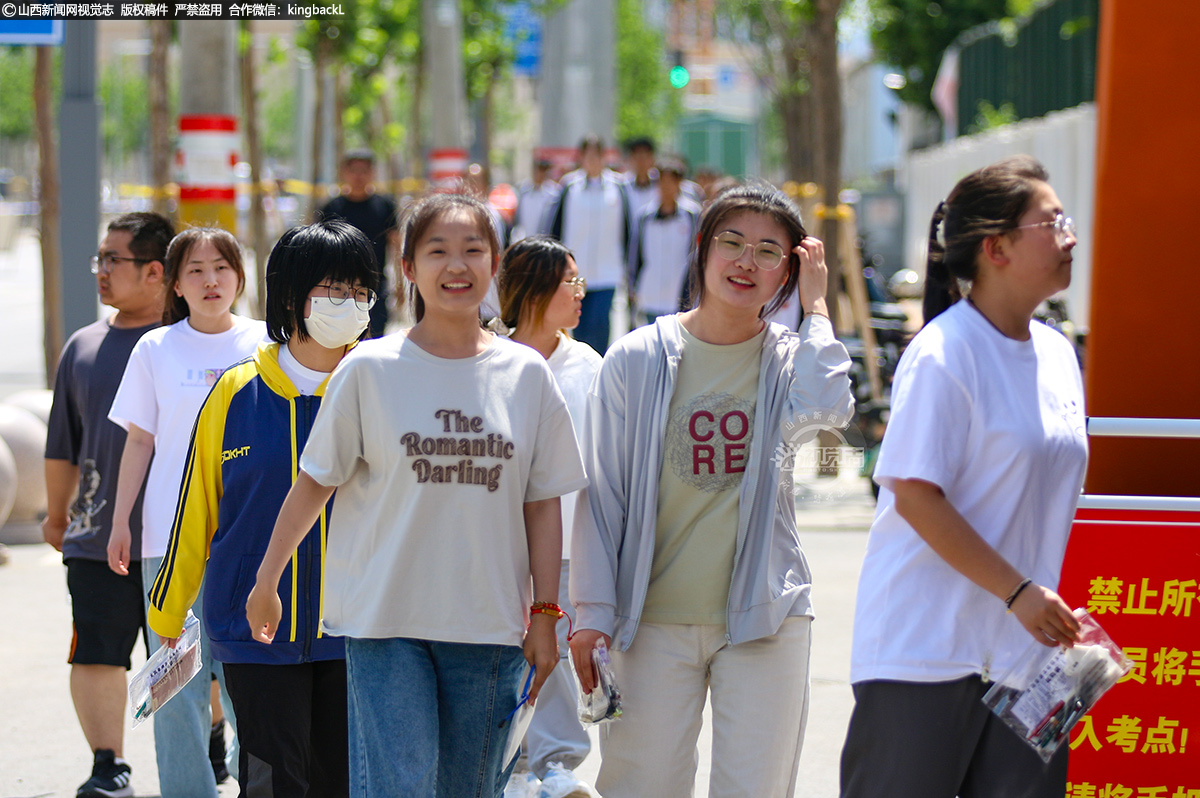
292 729
939 740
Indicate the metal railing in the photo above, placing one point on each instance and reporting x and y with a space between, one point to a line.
1141 428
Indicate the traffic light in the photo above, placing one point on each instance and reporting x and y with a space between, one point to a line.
679 76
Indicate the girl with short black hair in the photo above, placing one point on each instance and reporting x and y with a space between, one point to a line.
290 697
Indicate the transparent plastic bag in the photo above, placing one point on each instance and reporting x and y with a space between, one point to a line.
603 703
1050 689
165 672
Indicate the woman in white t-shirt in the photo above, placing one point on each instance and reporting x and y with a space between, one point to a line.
169 373
449 448
685 557
980 471
541 296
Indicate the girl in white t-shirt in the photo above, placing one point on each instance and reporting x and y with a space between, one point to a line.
541 296
449 448
166 380
980 471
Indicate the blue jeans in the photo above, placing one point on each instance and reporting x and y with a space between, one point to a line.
183 725
594 328
425 717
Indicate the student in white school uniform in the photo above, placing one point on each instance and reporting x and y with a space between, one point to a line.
592 217
169 373
541 295
685 557
449 447
534 196
979 475
663 239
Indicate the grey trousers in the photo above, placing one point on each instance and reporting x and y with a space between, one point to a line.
555 734
939 740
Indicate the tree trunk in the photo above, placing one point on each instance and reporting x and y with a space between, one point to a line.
339 116
318 130
416 167
793 110
52 310
258 216
487 115
160 114
827 95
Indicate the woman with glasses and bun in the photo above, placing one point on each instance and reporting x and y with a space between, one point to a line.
980 471
541 298
290 696
685 558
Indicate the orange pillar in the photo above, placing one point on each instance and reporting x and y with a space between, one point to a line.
1143 356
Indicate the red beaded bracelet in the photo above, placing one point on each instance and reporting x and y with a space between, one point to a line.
549 608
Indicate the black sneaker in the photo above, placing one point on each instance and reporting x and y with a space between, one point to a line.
216 752
110 778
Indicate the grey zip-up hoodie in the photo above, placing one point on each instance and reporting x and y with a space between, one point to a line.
802 387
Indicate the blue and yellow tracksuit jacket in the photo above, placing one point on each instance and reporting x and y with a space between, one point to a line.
242 461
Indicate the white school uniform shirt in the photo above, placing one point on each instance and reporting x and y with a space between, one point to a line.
434 460
532 202
999 426
593 227
166 381
661 260
573 364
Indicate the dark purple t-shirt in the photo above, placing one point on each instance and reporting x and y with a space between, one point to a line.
89 372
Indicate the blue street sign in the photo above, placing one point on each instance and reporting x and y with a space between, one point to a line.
523 27
31 31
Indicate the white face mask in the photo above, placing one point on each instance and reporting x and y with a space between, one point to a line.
333 326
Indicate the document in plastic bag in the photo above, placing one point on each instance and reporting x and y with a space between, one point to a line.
1047 693
519 719
603 703
165 672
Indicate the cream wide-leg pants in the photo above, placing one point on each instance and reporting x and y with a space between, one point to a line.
759 694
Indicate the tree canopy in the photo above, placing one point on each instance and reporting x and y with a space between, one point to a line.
913 35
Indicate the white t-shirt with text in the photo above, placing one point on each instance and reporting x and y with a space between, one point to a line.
166 381
999 426
434 460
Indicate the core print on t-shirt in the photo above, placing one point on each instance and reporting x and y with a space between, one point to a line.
476 444
708 441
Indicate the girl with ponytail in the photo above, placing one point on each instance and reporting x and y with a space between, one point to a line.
979 474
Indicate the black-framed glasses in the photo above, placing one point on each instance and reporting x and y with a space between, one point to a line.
338 293
1063 226
731 245
578 285
107 262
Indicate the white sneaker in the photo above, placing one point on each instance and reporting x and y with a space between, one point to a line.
522 785
561 782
